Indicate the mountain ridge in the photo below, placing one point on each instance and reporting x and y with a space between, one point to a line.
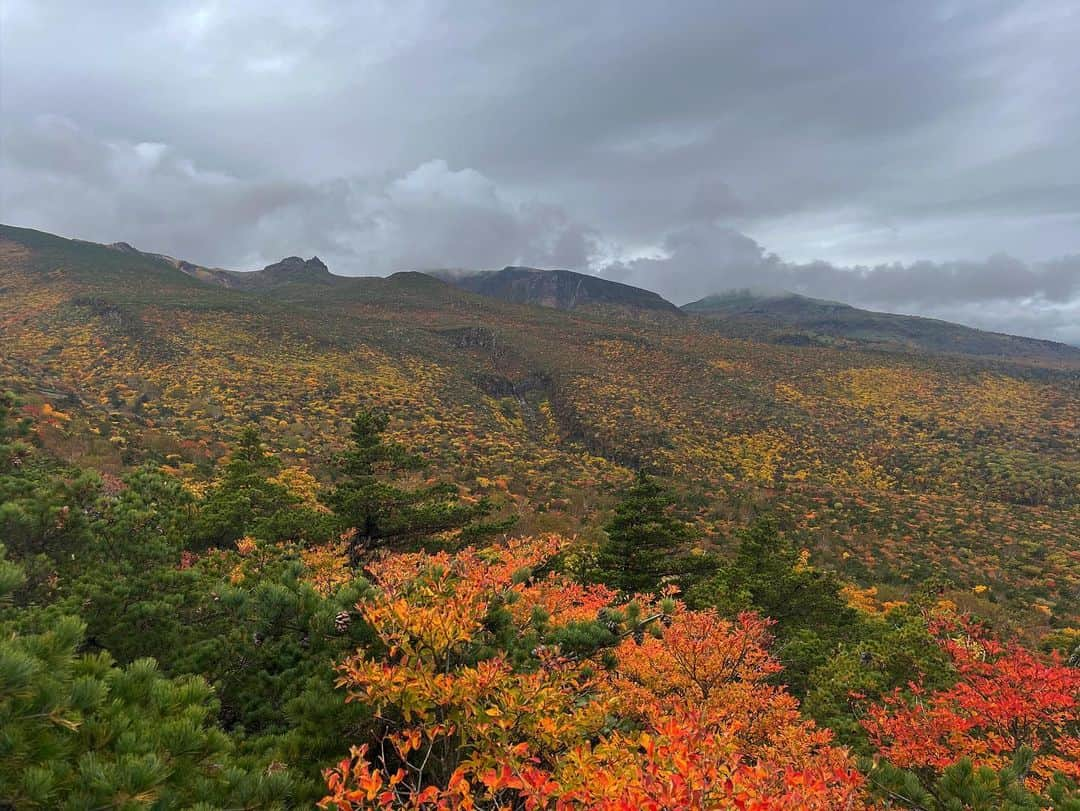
284 271
556 288
778 316
790 317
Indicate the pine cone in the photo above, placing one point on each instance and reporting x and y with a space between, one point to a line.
342 621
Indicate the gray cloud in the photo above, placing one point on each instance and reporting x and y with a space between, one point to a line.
1000 293
149 194
846 138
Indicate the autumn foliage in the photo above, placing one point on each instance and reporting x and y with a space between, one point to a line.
680 717
1004 698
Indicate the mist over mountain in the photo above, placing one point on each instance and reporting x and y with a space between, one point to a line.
788 317
764 313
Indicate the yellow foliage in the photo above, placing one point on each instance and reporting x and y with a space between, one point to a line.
328 567
864 600
757 455
303 485
246 545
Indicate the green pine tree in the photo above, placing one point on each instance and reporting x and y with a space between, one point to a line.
964 787
645 541
382 512
76 731
13 447
245 501
769 575
885 651
44 506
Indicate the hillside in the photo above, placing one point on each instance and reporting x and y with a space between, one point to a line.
574 530
789 317
559 289
887 467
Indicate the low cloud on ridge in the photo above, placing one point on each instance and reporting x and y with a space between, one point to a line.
437 216
678 146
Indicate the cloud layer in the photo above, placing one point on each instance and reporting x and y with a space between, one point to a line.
1000 293
149 194
874 153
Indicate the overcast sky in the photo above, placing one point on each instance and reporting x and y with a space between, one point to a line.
918 156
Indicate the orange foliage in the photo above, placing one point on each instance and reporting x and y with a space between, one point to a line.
1004 698
684 720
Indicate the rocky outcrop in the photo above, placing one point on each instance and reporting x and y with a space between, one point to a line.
558 289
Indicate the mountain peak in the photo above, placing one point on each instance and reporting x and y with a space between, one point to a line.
295 264
558 289
749 296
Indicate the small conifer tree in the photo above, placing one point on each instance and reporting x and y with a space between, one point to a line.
378 511
644 540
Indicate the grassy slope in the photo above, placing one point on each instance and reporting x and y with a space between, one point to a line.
893 467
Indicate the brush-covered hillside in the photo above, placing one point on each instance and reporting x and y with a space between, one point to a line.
285 537
890 467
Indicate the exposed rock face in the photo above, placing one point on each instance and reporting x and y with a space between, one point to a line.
558 289
472 338
293 268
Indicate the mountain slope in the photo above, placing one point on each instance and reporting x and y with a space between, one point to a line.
558 289
789 317
889 466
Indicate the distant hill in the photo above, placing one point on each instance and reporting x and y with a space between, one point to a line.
558 289
291 269
784 317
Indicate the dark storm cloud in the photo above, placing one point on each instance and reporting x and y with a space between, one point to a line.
881 149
